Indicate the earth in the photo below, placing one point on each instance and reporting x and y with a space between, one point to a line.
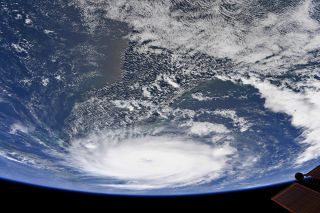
168 97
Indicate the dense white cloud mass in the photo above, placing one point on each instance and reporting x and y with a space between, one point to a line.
151 162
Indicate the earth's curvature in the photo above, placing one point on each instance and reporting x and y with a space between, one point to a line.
158 97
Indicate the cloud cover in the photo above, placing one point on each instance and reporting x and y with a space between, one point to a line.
151 162
262 41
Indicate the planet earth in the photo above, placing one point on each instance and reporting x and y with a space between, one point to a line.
168 97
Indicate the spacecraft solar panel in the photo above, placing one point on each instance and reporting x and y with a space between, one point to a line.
298 198
315 173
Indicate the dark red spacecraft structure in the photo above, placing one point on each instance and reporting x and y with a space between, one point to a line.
303 196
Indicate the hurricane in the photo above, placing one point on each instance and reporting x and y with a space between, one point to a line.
168 97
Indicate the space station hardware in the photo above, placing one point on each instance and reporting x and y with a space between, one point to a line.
303 196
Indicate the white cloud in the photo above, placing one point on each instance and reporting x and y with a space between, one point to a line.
18 48
275 38
266 43
19 127
45 82
205 128
240 122
150 162
200 97
303 107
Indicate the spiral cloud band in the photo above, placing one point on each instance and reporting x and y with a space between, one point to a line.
151 162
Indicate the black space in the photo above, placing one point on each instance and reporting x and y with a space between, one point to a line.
18 196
